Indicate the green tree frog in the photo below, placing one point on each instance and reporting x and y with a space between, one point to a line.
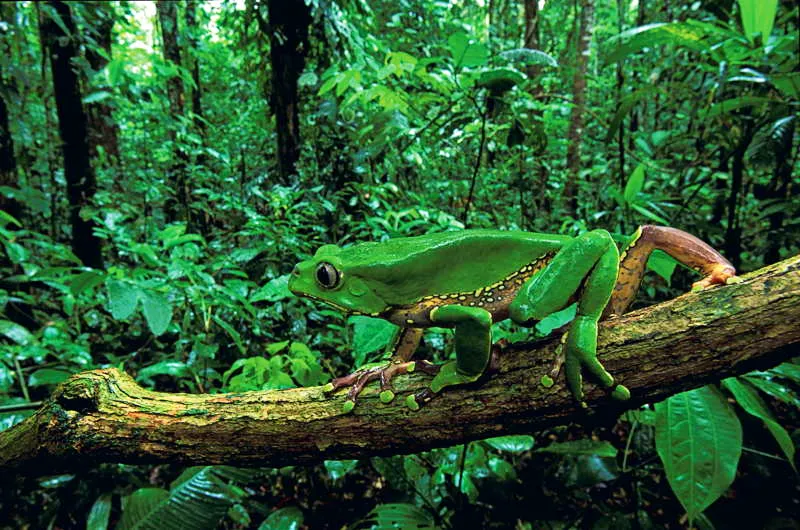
469 279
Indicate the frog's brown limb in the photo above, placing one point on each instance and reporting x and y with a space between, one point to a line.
686 248
405 344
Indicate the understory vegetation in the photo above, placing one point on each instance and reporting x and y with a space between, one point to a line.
164 165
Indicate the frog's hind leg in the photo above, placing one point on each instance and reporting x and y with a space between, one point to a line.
587 267
684 247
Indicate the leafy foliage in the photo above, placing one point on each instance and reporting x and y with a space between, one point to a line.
414 117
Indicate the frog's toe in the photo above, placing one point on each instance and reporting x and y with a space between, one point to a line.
348 406
386 396
621 393
420 399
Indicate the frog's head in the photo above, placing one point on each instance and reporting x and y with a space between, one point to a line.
326 277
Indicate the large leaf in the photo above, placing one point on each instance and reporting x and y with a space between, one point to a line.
690 34
99 513
699 440
634 184
528 57
397 516
758 16
197 500
275 290
370 335
512 444
122 298
752 403
501 79
467 52
15 332
157 311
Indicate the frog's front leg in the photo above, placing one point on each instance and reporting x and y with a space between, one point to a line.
404 345
586 267
473 344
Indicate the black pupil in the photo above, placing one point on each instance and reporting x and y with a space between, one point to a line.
326 275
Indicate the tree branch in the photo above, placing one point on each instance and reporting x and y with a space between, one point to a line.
104 416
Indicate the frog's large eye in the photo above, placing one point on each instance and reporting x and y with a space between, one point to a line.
327 275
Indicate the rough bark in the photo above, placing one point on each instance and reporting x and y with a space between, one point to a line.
576 120
194 66
104 416
531 38
8 162
177 206
288 25
73 128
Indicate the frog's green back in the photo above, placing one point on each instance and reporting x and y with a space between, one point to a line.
403 270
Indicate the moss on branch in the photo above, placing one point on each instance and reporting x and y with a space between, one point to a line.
104 416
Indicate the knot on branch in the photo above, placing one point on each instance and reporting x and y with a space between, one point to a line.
81 392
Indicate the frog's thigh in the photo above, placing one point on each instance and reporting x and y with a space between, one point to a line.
550 290
686 248
473 336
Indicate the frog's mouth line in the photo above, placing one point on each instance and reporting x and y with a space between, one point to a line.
334 305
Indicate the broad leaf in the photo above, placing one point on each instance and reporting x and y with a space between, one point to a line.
512 444
15 332
634 184
99 513
288 518
157 311
528 57
758 16
370 335
752 403
122 298
699 440
396 516
467 52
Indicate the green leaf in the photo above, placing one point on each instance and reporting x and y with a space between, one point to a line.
729 105
99 513
758 17
467 52
94 97
688 34
122 298
171 368
699 441
275 290
634 184
787 370
288 518
369 335
47 376
752 403
7 218
771 388
235 335
528 57
157 311
339 468
662 264
512 444
581 447
15 332
501 79
197 500
84 281
398 516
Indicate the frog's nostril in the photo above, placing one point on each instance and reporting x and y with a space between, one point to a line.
296 271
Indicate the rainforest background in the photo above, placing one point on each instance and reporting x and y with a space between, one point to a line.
163 165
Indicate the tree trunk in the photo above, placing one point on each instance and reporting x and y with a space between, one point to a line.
177 206
72 126
289 22
531 39
103 131
697 338
8 162
194 66
576 121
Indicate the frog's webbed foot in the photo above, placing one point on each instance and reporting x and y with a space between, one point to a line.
721 274
382 372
